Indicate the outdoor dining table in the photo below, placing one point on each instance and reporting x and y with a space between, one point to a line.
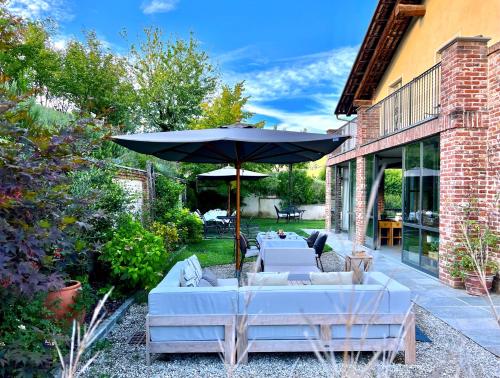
268 240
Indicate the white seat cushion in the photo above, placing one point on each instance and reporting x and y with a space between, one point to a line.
227 282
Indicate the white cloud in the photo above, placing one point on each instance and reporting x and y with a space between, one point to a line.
319 120
317 79
37 9
296 76
159 6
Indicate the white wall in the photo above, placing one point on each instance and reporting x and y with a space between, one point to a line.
264 207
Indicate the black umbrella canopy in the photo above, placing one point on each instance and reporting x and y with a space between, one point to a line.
237 144
233 144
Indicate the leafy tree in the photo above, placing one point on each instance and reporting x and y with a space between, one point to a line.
95 80
25 55
393 183
225 109
173 79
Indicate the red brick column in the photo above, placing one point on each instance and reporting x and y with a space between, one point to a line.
328 199
464 121
367 130
493 142
360 200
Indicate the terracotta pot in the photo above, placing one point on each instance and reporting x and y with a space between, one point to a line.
473 284
61 302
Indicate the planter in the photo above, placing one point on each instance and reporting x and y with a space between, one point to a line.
62 301
474 286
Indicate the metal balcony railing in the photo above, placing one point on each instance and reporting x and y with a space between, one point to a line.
349 128
411 104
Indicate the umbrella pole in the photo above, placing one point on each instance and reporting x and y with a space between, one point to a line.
228 198
238 166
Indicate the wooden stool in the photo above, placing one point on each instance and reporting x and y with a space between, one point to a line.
358 264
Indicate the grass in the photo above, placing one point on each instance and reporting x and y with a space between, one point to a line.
220 251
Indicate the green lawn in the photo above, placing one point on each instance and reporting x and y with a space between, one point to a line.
220 251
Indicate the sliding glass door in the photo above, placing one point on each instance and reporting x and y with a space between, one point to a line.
421 205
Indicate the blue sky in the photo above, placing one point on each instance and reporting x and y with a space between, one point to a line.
294 55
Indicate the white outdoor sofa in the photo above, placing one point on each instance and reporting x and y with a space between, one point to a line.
374 316
299 262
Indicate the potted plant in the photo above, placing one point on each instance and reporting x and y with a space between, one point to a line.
474 263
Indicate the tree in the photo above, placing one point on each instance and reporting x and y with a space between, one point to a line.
225 109
173 79
25 55
95 80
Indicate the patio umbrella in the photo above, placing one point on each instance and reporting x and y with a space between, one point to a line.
236 144
228 174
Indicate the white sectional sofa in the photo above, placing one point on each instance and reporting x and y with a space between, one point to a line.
373 316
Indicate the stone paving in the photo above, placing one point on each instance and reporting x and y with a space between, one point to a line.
472 316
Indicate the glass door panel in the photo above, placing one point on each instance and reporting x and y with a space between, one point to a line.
411 245
352 199
421 205
430 183
430 251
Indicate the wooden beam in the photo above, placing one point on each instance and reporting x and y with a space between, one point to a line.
358 102
409 10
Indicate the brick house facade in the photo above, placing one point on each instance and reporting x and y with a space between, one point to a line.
466 123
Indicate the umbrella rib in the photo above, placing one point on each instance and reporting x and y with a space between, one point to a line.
257 150
215 151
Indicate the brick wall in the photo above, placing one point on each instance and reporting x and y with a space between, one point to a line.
360 200
328 199
127 173
493 141
463 143
337 200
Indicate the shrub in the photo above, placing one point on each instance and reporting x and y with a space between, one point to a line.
26 335
137 257
189 225
167 197
168 232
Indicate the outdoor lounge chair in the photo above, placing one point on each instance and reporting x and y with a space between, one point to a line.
281 214
319 247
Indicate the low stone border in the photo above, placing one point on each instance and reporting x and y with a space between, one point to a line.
106 326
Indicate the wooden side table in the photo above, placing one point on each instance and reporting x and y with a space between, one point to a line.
358 264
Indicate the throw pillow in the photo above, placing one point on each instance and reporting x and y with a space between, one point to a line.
189 277
204 283
209 276
331 278
267 279
193 261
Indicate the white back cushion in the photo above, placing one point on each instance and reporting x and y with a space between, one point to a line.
267 279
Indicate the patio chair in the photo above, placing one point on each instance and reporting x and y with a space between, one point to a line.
281 214
319 247
247 249
312 238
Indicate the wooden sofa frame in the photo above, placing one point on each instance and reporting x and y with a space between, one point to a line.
226 346
406 342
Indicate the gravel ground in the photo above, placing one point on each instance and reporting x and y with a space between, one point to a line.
450 354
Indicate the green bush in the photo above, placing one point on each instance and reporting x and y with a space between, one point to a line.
169 233
26 336
137 257
189 225
167 197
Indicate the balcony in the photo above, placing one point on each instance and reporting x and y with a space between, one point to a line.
349 128
414 103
